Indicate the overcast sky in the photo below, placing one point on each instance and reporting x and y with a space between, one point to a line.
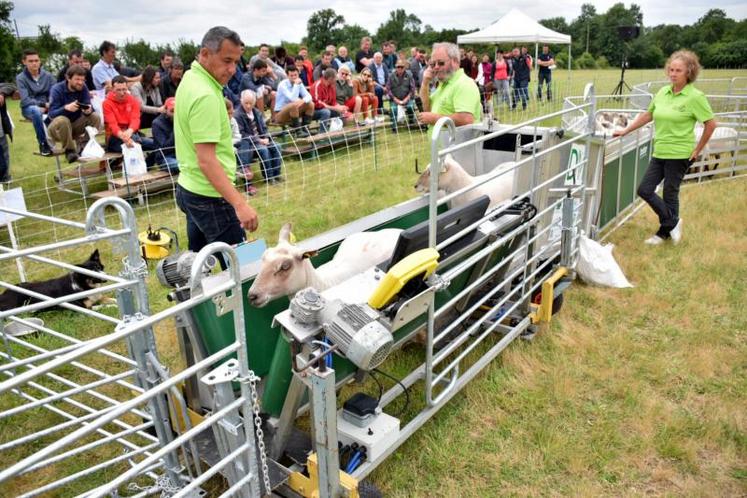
274 20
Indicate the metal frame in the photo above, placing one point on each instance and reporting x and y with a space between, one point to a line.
101 415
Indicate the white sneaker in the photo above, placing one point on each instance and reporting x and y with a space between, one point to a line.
654 240
369 121
379 119
676 233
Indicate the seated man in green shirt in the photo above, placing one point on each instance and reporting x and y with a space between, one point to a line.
456 95
215 210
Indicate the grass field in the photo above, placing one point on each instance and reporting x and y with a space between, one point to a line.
630 392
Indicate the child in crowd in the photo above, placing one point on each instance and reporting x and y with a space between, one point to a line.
242 170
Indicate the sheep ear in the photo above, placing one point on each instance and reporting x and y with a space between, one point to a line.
309 254
285 232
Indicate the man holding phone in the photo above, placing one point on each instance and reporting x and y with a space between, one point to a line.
70 111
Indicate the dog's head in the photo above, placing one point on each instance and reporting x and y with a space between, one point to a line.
93 263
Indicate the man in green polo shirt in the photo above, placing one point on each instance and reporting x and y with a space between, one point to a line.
456 96
215 210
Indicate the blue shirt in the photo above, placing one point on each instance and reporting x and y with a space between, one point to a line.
288 92
102 72
61 95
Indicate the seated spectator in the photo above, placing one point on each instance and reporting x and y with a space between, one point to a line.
86 64
163 137
364 57
282 59
343 59
417 66
401 89
122 118
260 82
380 75
388 55
70 111
104 70
165 64
346 94
364 87
234 84
276 72
148 94
7 91
323 92
34 84
254 138
293 103
170 82
324 64
243 170
75 57
234 98
307 64
305 75
329 48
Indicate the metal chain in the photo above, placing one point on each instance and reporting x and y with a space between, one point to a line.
252 379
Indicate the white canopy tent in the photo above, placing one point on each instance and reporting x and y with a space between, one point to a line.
517 27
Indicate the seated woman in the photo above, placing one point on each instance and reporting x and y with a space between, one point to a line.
163 136
363 86
254 138
148 93
345 94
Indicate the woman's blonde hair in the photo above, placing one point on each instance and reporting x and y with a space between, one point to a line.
691 61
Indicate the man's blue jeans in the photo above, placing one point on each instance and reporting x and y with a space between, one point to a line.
209 219
270 159
34 114
521 91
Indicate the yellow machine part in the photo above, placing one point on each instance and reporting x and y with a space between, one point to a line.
544 312
422 261
309 486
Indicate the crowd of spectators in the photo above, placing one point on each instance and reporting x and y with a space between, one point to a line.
282 89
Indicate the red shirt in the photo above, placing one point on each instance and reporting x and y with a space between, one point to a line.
321 92
309 67
501 70
118 116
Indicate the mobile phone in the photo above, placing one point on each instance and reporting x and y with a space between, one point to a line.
84 106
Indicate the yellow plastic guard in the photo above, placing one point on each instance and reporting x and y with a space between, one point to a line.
424 260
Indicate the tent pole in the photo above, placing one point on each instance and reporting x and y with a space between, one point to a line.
569 69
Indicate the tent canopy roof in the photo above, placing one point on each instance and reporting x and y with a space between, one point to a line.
515 26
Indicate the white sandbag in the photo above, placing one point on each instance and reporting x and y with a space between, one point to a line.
401 110
335 124
92 150
596 265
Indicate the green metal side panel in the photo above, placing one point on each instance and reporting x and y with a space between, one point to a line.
628 186
608 206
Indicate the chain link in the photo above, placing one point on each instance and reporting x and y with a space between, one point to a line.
252 380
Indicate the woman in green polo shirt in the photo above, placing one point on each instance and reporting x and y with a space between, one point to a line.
674 110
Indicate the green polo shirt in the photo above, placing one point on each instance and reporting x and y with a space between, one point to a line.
200 117
674 120
458 94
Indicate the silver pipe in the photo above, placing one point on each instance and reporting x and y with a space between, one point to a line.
79 420
99 342
84 407
88 471
41 217
99 442
114 412
54 333
173 445
47 301
61 245
65 394
71 267
214 470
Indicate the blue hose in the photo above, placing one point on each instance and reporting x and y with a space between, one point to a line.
354 462
328 357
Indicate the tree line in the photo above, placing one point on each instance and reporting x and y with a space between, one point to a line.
720 41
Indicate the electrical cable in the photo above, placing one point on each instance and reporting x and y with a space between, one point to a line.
405 389
381 387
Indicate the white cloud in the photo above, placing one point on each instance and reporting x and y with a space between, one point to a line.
274 20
